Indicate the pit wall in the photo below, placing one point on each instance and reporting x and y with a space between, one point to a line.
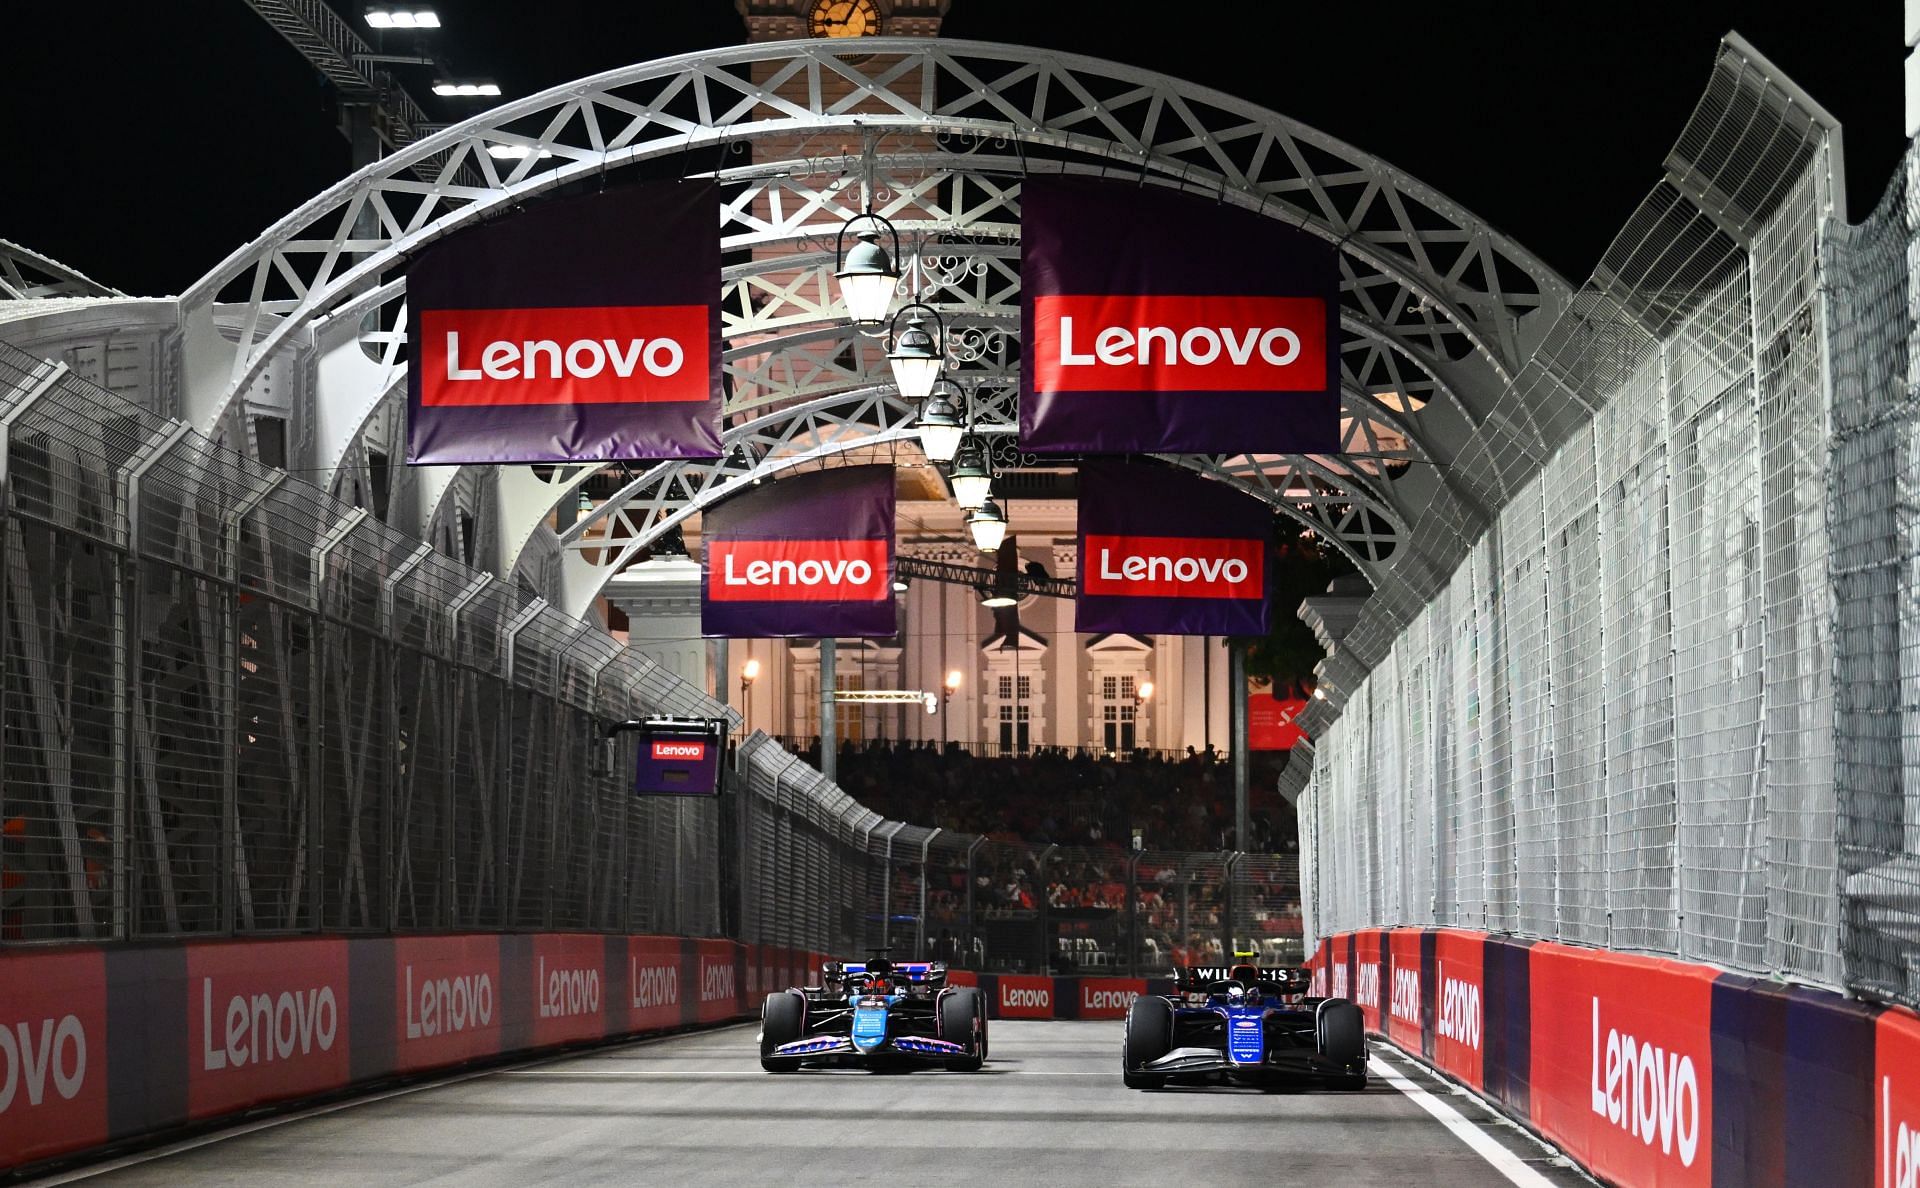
1649 1071
98 1045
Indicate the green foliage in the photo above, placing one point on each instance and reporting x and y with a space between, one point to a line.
1287 655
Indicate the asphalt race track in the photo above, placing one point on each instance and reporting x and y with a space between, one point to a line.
1048 1109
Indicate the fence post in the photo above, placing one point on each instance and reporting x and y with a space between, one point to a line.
972 934
321 553
389 612
1133 914
509 640
926 848
230 574
456 612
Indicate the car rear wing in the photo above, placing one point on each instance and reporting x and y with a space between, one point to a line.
1290 979
932 974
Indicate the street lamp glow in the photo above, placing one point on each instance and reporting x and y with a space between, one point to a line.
866 272
402 18
750 672
916 356
1319 694
1146 690
971 482
953 679
940 429
987 526
465 90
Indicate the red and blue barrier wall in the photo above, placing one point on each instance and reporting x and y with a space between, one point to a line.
98 1045
1647 1070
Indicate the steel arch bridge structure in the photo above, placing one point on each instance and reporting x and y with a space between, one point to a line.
1440 311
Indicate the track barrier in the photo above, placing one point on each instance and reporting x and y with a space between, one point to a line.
1647 1070
104 1044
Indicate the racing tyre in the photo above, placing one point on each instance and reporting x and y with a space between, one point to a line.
780 1023
963 1020
1149 1037
1341 1032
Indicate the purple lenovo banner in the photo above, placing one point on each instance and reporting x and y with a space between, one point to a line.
1163 321
808 556
584 328
1166 552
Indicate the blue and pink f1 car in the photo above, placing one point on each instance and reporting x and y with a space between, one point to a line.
875 1014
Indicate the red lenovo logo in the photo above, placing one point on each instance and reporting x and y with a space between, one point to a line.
1141 343
679 750
1173 567
797 570
609 354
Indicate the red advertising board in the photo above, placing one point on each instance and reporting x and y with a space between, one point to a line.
446 1000
1896 1100
717 989
569 988
1622 1063
653 982
1365 990
1403 992
1459 1006
1273 722
1025 996
53 1053
1109 998
265 1021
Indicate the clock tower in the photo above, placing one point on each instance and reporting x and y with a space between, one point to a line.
785 20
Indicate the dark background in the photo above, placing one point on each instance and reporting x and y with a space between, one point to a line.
144 140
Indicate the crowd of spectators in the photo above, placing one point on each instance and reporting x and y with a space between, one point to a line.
1054 795
1090 807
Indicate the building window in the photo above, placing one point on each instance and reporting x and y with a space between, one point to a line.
1119 712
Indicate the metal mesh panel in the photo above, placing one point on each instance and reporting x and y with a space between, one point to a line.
236 705
1672 689
1874 489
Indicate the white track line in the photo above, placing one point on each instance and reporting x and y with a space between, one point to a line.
1515 1169
232 1132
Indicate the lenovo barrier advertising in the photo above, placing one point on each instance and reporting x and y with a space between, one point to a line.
584 328
807 557
1165 551
1158 320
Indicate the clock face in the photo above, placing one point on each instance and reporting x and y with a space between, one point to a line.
845 18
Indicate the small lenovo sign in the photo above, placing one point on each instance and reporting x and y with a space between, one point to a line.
1175 567
1129 343
799 570
1164 551
770 567
1025 997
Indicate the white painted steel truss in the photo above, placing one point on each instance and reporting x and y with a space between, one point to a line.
1439 310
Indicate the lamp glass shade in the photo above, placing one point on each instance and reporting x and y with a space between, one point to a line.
940 430
971 490
987 526
914 374
867 278
867 296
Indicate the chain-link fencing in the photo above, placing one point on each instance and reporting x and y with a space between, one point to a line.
1617 724
235 705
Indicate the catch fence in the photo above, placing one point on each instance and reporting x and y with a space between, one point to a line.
1669 704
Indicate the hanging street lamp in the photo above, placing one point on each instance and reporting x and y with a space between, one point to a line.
867 274
915 355
972 482
939 428
987 526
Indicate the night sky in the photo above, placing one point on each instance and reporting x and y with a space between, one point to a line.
145 140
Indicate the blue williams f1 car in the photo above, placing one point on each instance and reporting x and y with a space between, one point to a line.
1244 1026
875 1014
